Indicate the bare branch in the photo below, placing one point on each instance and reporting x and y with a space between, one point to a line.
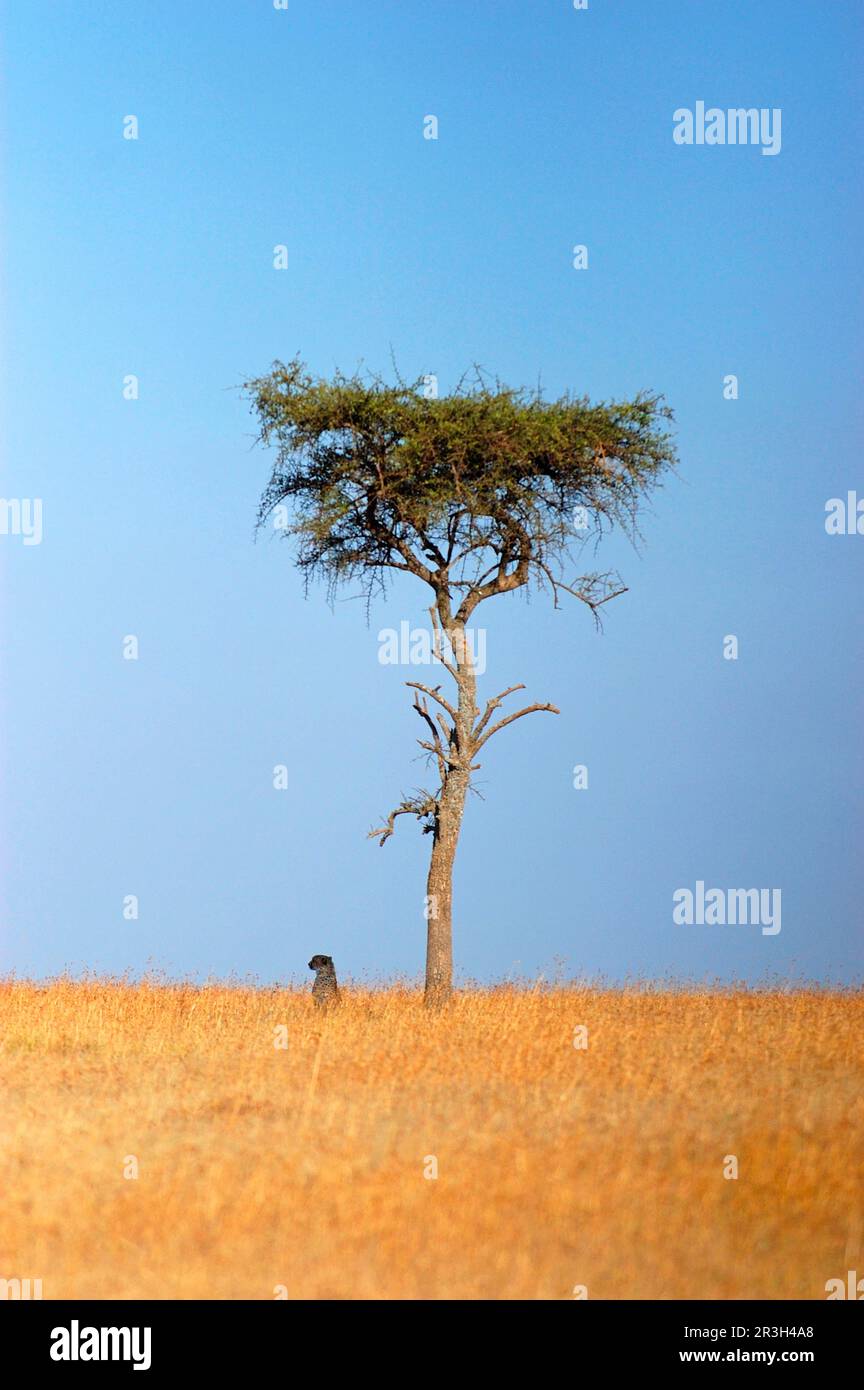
502 723
492 705
423 710
436 643
436 746
433 695
422 805
595 590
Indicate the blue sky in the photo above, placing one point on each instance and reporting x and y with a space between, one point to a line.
155 257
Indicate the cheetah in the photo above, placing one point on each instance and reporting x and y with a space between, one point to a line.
325 990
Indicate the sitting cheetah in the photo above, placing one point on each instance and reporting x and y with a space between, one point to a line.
325 991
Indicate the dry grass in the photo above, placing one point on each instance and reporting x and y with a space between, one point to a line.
305 1167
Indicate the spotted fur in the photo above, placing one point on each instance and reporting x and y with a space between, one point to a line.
325 990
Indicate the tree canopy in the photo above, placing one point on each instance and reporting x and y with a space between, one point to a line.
478 492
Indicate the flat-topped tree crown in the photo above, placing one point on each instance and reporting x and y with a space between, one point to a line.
478 493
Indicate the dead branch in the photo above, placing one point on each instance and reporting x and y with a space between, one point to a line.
433 695
502 723
424 804
436 643
436 745
493 704
592 593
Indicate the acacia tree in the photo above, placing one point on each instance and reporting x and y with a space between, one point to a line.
482 492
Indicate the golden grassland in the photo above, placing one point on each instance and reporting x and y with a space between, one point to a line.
303 1166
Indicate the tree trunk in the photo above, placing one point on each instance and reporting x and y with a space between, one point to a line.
448 824
439 892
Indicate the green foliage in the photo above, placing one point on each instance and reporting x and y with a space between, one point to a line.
475 492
